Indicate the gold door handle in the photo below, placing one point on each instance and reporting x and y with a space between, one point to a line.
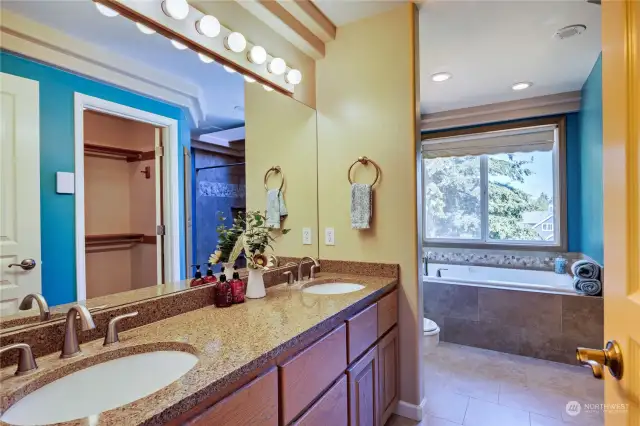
597 359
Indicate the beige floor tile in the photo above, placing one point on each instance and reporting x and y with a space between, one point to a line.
447 405
483 413
538 420
536 400
435 421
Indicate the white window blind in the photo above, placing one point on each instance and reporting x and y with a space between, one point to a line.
528 139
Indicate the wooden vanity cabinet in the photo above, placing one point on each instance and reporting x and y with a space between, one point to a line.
388 358
364 390
331 409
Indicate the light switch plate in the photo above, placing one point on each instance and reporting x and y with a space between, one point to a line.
306 236
65 183
329 237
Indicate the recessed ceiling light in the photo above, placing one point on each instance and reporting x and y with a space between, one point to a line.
440 77
106 11
522 85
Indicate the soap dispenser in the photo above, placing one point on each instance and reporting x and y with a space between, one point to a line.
237 287
222 293
209 278
197 280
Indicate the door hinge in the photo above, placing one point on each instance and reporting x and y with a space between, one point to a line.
159 151
161 230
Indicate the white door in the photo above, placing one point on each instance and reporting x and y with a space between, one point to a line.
19 191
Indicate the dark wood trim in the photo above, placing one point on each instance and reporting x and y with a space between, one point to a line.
149 239
198 48
217 149
494 127
124 153
107 239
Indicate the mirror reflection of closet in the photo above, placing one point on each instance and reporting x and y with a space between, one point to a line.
121 204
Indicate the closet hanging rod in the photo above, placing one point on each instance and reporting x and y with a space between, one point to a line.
125 154
109 239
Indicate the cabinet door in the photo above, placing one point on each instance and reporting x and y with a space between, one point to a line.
388 374
331 409
363 390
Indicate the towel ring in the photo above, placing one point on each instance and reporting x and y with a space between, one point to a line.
365 161
276 170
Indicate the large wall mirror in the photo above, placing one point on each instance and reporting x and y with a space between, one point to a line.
131 152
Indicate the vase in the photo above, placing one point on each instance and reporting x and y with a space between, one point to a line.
227 269
255 284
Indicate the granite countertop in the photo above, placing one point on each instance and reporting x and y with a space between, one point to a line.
229 342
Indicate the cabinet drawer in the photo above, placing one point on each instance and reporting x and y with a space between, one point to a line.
332 409
387 312
362 332
306 375
254 404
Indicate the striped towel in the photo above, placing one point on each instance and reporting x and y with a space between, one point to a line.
586 269
589 287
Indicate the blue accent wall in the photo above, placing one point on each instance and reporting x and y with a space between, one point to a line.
573 175
590 159
57 89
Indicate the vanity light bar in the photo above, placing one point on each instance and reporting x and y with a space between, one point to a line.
204 35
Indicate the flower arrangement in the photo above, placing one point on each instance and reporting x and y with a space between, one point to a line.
229 239
257 237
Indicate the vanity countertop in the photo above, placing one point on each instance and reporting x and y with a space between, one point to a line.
229 342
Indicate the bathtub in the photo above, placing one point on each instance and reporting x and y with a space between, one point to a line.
505 278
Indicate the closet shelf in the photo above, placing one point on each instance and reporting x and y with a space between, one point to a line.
126 154
106 239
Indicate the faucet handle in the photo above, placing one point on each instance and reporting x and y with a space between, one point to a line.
289 276
112 328
26 362
312 273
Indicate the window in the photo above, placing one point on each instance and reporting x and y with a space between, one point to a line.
497 187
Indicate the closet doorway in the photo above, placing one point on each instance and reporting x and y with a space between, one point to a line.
124 199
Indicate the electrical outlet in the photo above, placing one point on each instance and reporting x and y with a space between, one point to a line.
329 237
306 236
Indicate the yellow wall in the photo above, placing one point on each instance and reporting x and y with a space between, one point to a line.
366 102
234 16
281 131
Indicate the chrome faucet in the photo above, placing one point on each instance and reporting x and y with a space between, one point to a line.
112 328
312 272
71 348
27 303
26 362
439 272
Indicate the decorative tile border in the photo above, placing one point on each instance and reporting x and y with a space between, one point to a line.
221 189
515 259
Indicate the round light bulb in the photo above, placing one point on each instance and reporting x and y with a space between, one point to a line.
522 85
293 77
267 88
205 58
144 29
178 45
440 77
249 79
235 42
106 11
257 55
208 26
277 66
228 69
176 9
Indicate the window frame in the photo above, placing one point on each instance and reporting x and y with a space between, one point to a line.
560 189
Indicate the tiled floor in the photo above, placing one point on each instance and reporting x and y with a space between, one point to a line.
476 387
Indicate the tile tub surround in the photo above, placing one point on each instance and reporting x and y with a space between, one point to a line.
256 334
538 325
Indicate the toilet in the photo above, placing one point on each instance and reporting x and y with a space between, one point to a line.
431 336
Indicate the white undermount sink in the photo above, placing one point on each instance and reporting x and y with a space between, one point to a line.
333 288
100 387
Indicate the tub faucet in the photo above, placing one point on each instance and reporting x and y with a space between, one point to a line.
439 272
312 272
71 348
27 303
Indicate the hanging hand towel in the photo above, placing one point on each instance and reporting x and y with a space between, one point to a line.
361 204
276 210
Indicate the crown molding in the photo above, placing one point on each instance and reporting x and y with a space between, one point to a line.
540 106
31 39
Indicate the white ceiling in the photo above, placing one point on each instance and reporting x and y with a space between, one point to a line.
489 45
342 12
222 94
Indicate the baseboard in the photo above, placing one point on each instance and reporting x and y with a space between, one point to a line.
411 411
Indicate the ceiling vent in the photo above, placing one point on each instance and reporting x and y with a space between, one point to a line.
569 31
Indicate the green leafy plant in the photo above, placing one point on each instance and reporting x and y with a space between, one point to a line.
227 239
257 237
